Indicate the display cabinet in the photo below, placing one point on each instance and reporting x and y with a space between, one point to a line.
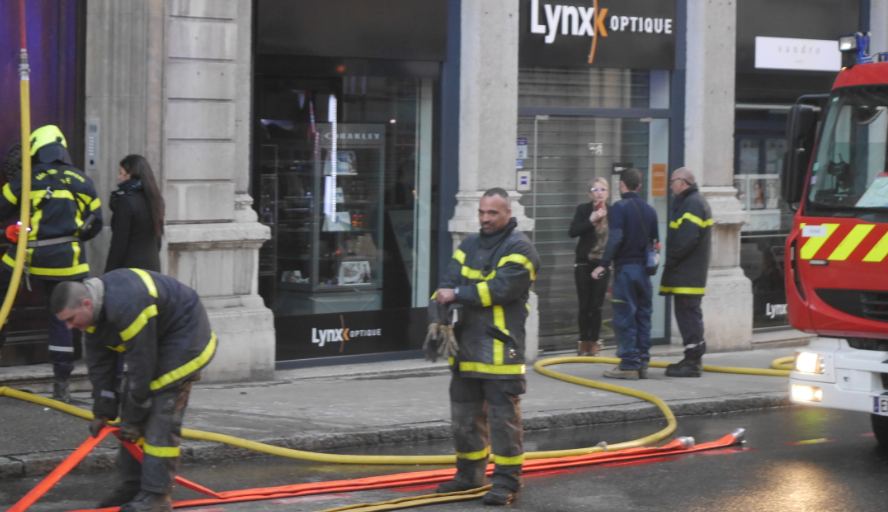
325 254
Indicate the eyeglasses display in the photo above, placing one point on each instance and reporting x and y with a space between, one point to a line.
598 189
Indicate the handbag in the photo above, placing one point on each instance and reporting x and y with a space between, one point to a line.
653 256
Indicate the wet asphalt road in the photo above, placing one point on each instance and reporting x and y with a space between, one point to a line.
795 459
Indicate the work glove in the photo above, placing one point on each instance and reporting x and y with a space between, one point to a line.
448 346
437 314
96 426
130 432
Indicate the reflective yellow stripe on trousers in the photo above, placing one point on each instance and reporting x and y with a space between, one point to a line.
481 454
161 451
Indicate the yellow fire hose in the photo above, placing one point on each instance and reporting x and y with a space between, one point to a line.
25 212
540 366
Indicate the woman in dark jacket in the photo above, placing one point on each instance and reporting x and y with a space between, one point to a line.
590 224
137 220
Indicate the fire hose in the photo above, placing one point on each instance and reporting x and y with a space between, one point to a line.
25 211
535 461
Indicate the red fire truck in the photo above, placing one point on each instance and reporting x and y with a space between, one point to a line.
836 275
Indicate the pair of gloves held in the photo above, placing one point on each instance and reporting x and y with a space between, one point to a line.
131 416
440 339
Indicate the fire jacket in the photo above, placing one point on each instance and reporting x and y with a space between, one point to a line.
492 277
688 244
159 324
62 199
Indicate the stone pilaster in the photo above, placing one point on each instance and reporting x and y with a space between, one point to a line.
170 79
488 122
878 26
709 152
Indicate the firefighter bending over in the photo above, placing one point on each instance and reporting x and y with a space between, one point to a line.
161 327
489 281
64 212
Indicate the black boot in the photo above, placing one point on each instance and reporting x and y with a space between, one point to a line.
685 368
499 495
149 502
61 389
470 474
123 494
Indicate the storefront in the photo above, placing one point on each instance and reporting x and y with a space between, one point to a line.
777 62
596 95
345 173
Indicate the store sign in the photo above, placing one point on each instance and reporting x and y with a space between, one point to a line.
627 34
797 54
321 337
772 311
350 333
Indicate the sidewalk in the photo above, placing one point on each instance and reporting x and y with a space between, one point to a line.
319 409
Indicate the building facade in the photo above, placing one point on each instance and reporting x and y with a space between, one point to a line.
320 161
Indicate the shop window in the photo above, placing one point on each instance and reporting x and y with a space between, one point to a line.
343 170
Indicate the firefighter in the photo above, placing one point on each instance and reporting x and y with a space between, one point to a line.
688 245
161 327
489 279
64 212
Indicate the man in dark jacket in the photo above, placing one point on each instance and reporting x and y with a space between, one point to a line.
489 277
633 226
688 244
162 329
64 212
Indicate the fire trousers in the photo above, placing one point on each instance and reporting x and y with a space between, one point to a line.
61 339
163 432
485 410
689 316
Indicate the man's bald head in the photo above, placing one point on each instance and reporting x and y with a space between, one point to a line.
682 179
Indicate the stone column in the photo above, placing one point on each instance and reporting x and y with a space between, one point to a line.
177 74
878 26
709 152
488 120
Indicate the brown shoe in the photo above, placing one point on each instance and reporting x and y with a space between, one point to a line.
617 373
587 348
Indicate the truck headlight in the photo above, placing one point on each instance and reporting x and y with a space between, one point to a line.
808 362
803 393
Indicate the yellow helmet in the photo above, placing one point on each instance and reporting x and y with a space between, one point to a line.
45 135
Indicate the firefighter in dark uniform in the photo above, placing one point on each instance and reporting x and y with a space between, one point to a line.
489 280
162 329
64 212
688 244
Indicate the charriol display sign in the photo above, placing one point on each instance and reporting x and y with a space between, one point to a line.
625 34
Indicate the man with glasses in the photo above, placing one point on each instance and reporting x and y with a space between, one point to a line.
688 244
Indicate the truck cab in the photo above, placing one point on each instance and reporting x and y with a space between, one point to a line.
836 173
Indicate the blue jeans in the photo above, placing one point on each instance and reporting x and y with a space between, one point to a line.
632 296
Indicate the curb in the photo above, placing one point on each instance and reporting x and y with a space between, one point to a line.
201 452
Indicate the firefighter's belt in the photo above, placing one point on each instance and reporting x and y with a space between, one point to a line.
52 241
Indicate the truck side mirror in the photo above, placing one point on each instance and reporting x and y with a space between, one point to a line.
801 129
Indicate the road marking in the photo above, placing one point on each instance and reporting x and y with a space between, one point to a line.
812 441
307 499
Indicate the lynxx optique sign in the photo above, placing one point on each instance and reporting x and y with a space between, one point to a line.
625 34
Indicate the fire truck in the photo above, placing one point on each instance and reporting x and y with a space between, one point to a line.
836 271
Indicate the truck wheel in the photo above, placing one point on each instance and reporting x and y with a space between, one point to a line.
880 429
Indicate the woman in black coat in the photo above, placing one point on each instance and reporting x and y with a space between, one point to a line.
590 225
137 219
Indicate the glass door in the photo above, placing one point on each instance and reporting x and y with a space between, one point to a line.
565 153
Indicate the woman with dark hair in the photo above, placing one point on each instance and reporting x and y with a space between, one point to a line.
137 220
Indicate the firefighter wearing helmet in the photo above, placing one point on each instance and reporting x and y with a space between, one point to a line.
64 213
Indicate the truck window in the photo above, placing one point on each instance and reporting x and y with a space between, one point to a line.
849 171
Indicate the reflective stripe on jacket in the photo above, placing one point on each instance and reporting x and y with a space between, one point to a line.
492 276
62 198
158 322
688 244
